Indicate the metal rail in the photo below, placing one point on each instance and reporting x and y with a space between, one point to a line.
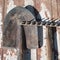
49 23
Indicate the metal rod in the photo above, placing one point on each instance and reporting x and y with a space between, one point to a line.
41 23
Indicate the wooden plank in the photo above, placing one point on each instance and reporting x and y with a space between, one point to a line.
1 57
58 41
1 24
38 17
45 6
45 12
37 6
10 4
26 3
58 7
46 50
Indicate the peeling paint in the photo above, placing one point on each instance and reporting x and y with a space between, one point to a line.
10 55
11 5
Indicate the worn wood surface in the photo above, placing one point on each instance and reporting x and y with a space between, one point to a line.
1 24
58 30
10 4
45 12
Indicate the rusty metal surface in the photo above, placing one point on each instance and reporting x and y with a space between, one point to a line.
13 18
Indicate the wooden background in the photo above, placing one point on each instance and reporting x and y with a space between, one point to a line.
47 9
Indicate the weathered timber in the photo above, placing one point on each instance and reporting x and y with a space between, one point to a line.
45 12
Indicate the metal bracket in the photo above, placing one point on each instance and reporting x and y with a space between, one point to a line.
49 23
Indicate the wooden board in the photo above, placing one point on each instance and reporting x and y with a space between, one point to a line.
38 17
58 31
58 42
58 7
45 12
1 24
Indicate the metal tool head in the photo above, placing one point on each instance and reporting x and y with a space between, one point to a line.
11 24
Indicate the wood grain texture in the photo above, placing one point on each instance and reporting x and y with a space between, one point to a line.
58 30
38 17
1 24
9 54
58 8
57 39
45 12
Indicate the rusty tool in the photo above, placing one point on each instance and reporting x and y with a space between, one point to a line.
13 21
